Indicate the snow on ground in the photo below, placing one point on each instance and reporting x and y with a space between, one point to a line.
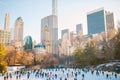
108 64
14 68
67 73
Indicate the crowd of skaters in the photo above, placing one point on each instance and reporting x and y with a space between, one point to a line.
58 74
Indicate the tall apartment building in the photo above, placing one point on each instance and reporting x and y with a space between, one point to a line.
49 30
49 33
18 33
5 35
7 22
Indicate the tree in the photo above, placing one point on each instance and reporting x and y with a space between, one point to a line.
26 58
2 56
90 53
108 43
117 46
14 57
2 52
49 60
87 56
10 57
78 57
38 58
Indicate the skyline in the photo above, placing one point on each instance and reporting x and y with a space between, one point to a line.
69 14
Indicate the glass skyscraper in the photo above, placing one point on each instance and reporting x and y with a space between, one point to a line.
28 43
99 21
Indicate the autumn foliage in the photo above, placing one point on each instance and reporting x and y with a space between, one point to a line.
2 55
16 57
49 60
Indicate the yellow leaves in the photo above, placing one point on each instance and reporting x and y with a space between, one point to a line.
3 66
2 52
10 49
2 55
14 57
26 58
2 49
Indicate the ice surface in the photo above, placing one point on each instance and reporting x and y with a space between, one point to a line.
67 73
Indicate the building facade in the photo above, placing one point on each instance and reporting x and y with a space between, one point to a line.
5 37
49 30
7 22
18 33
79 29
12 34
49 33
54 7
99 21
65 34
65 43
39 49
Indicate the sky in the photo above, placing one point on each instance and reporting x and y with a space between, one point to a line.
70 13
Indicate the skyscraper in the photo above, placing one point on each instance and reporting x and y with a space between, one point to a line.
28 43
79 29
65 34
18 32
5 35
49 33
12 33
65 44
99 21
49 30
7 22
54 7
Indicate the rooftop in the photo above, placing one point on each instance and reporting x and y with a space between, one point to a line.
96 10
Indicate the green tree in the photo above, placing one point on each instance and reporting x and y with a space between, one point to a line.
117 46
78 57
89 55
